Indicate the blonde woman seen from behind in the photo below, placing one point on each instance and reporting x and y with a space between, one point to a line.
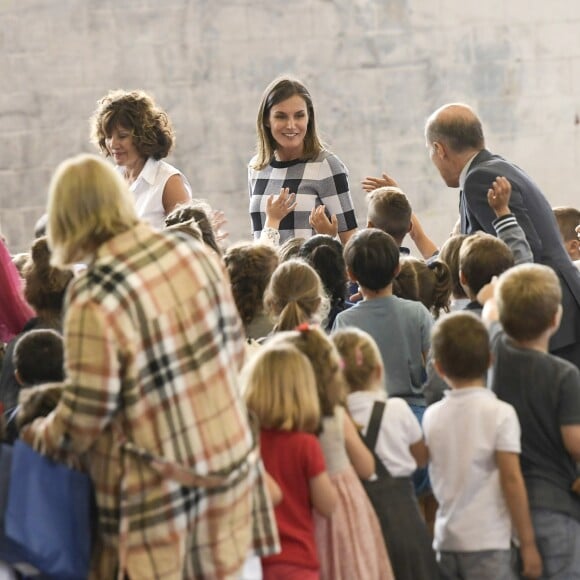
151 303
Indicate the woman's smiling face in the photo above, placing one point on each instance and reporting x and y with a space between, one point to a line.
288 122
122 148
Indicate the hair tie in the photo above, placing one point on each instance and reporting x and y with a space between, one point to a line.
432 261
304 327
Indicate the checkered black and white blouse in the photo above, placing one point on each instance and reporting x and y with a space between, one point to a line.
321 181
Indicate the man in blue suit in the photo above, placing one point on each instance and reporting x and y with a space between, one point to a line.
456 145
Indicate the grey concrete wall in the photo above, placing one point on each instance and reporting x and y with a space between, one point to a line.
376 69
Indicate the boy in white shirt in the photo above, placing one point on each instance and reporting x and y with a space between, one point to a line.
474 445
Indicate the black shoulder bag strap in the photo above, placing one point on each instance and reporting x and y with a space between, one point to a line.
372 435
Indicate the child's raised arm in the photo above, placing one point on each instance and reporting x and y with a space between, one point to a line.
361 458
323 494
514 491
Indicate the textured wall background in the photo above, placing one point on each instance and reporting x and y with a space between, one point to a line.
376 69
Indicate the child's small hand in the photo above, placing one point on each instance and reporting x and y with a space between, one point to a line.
278 207
498 196
320 222
372 183
531 560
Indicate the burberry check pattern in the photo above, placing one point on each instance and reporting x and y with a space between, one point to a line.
153 350
322 181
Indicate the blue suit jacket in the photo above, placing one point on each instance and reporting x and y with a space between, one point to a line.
535 216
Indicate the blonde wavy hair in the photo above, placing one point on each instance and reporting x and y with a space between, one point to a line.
88 204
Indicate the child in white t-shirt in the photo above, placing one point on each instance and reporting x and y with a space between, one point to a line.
474 445
399 447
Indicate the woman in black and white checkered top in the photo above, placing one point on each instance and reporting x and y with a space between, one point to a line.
291 155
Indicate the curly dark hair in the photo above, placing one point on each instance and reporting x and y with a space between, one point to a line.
137 112
250 267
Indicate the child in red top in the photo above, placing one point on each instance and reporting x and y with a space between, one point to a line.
350 544
281 391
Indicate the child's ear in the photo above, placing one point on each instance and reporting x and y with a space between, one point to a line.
438 368
370 224
18 378
397 270
378 373
573 248
462 279
350 276
556 320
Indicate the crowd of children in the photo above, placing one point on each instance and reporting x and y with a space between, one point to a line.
344 419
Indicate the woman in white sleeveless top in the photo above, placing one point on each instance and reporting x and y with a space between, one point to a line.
130 128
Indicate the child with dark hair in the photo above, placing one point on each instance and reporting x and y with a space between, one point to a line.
400 327
324 254
38 358
474 446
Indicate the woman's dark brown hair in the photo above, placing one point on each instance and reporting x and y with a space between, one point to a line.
137 112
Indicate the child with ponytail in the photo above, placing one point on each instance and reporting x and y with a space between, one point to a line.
295 295
427 282
398 447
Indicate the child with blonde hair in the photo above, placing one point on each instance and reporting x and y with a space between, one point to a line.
393 433
281 391
295 295
350 544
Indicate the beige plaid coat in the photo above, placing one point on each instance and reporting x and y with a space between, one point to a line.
153 348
